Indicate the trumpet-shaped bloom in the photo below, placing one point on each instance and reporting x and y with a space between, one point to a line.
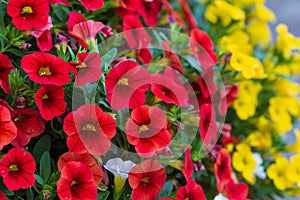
147 130
5 68
126 85
236 191
50 101
46 69
203 48
244 162
17 168
146 180
85 158
87 69
191 191
279 174
76 182
28 123
8 128
89 129
28 14
222 169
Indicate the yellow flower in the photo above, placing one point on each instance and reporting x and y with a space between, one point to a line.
221 11
295 147
238 38
278 173
244 162
246 102
286 87
281 108
294 169
260 140
249 66
259 32
262 13
286 42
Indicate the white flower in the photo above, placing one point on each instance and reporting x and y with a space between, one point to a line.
220 197
259 170
119 167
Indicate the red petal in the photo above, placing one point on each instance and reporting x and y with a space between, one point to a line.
92 4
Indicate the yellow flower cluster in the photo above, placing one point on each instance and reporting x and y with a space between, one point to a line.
284 173
245 104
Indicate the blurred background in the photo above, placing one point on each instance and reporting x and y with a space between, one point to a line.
288 12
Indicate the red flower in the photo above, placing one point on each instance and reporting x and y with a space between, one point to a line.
144 55
208 125
188 165
222 169
203 48
88 67
64 2
5 68
191 191
43 36
126 85
28 124
147 130
17 168
171 58
76 182
150 10
236 191
146 180
28 14
188 13
169 88
46 68
89 130
85 158
92 4
82 30
227 97
2 196
8 129
50 101
207 84
134 32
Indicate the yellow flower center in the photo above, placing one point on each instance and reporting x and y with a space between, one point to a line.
83 65
45 96
73 183
143 128
146 179
89 127
123 81
26 10
44 71
13 168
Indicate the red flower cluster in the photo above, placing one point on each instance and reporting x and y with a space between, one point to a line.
17 168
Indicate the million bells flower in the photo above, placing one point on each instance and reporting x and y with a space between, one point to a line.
17 168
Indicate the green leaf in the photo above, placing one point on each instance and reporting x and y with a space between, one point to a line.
17 52
41 146
29 194
45 166
166 190
103 195
39 179
108 58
